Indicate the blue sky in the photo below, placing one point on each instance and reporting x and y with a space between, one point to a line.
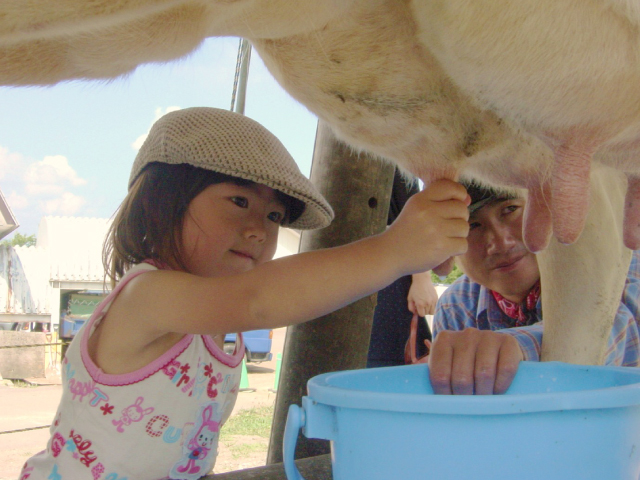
67 150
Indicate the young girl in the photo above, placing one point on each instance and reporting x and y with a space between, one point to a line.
146 384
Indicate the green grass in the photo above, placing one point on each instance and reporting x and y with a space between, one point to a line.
255 421
23 384
243 450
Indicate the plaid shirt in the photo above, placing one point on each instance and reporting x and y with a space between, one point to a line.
468 304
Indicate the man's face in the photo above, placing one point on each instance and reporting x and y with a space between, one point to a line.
497 257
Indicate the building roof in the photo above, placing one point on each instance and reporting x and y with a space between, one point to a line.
8 222
74 245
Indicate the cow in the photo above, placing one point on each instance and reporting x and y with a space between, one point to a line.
536 95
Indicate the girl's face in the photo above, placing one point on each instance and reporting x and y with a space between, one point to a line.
230 229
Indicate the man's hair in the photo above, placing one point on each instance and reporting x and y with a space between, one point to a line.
148 224
482 196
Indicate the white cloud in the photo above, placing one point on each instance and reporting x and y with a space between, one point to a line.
50 179
158 113
53 171
43 189
139 141
37 188
67 204
17 201
11 164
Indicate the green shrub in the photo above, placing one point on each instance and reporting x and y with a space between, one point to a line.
455 273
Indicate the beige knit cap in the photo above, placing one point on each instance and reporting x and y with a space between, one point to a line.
235 145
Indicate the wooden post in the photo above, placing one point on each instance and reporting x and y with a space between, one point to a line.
358 187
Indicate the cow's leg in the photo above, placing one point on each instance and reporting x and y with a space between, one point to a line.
537 227
582 283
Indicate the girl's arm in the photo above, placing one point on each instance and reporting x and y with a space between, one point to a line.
433 226
157 308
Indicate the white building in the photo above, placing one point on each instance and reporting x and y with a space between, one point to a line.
34 281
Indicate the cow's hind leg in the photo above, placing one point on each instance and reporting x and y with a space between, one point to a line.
582 283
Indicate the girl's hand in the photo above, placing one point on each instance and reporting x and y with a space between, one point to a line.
432 227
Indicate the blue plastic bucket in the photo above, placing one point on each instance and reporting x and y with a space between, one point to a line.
557 421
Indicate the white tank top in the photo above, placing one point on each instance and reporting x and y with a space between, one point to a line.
159 422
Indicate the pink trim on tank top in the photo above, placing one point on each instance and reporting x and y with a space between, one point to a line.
229 360
136 376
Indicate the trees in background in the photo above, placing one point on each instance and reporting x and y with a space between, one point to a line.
455 273
20 240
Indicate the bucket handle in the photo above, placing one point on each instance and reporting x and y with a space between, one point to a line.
296 419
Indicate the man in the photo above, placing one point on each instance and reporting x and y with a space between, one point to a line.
490 319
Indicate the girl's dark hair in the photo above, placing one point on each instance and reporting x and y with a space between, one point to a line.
148 224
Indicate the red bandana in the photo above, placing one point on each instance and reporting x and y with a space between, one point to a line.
524 312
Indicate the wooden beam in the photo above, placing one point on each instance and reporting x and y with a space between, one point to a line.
313 468
358 187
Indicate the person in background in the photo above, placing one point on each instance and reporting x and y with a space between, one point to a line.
146 382
399 301
491 318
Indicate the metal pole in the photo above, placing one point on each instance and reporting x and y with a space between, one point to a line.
238 98
359 188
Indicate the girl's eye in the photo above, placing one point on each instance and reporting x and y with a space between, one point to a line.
242 202
277 217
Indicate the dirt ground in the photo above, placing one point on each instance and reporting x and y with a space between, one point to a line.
253 455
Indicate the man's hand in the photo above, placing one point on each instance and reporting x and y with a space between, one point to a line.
422 298
473 361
